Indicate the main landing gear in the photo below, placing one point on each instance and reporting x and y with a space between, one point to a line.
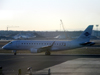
47 53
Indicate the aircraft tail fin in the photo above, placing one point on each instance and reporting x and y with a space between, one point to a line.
86 35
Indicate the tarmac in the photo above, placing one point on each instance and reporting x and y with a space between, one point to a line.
79 66
50 65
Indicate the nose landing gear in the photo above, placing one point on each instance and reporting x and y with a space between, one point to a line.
14 51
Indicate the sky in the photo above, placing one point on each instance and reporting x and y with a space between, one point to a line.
45 15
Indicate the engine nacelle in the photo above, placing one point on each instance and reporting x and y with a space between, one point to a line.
33 50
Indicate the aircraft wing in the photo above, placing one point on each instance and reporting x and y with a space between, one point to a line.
46 47
41 49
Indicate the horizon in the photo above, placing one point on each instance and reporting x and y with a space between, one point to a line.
49 31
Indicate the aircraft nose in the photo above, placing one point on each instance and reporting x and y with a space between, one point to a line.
4 47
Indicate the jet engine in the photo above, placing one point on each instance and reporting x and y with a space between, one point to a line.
35 50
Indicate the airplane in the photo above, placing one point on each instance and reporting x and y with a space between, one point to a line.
36 46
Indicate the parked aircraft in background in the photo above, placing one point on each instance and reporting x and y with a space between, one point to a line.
61 37
47 46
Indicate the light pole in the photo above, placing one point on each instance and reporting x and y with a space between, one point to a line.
97 29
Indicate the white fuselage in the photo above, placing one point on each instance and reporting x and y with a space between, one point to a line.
28 44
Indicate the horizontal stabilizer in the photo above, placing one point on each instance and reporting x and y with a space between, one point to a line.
88 43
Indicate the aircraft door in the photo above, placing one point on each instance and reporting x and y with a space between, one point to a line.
17 44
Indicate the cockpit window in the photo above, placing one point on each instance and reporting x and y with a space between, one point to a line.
10 42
